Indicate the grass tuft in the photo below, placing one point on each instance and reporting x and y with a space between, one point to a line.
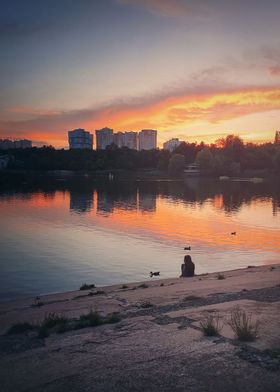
37 303
113 318
91 319
143 286
87 286
242 325
211 326
53 319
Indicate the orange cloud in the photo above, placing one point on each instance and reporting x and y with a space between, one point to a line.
163 112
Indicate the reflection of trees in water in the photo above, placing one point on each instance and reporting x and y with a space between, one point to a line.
81 202
224 195
228 196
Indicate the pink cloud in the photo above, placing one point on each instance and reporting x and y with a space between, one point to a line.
275 70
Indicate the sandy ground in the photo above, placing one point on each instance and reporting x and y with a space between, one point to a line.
159 348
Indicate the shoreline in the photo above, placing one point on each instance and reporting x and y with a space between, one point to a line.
133 283
156 343
150 282
203 284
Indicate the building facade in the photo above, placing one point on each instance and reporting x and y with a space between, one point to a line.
131 140
104 137
80 139
171 144
147 139
126 139
6 144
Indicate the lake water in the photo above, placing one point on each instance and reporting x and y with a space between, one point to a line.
56 234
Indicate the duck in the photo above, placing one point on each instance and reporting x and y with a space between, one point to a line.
187 248
233 233
157 273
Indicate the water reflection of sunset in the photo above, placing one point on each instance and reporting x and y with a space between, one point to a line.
176 221
60 234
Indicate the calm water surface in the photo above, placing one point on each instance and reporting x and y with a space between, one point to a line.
61 233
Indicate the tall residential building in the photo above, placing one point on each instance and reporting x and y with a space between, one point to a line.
277 137
171 144
119 139
6 144
80 139
147 139
131 140
104 137
126 139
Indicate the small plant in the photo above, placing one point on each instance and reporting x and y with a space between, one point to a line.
92 319
242 325
145 304
221 277
113 318
37 303
143 286
20 328
211 325
53 319
87 286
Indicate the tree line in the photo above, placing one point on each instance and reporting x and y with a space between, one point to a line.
228 156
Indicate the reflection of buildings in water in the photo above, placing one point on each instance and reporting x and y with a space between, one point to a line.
105 203
147 202
81 202
133 200
127 202
275 206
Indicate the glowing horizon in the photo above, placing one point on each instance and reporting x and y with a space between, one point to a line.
189 69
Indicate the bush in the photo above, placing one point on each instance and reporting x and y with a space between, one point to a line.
92 319
20 328
211 325
53 319
242 325
87 286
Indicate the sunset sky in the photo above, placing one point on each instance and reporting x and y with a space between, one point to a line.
193 69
